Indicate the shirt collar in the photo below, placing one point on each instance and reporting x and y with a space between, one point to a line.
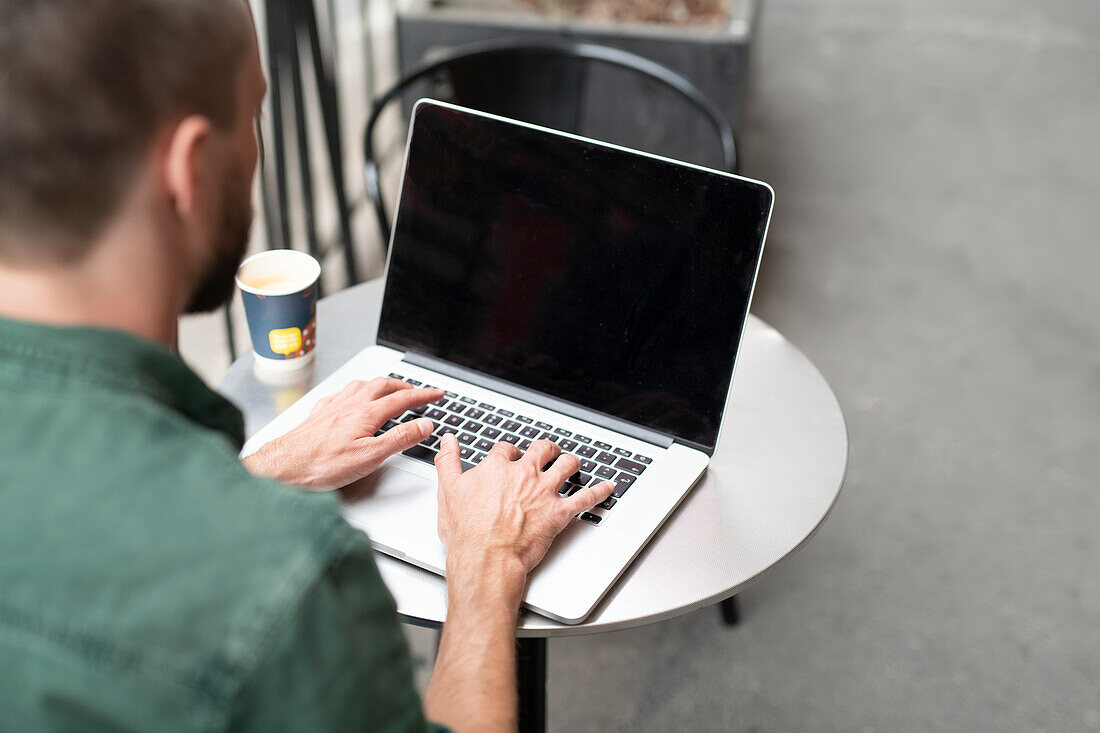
117 361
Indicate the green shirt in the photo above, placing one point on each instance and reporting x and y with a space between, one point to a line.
148 582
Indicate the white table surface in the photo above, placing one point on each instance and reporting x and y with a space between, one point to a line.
774 478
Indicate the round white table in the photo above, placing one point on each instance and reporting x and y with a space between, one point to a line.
774 478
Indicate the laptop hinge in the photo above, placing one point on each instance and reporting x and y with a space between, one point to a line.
550 403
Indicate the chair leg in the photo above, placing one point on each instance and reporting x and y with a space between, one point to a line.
731 614
279 235
305 173
324 76
229 334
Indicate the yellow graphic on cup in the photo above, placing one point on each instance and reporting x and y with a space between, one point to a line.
285 341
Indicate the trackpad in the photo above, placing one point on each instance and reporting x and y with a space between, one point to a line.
395 507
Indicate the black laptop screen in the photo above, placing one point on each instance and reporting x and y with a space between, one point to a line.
604 278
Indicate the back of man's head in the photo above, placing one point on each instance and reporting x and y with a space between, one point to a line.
85 86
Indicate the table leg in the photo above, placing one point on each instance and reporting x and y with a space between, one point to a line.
731 615
531 680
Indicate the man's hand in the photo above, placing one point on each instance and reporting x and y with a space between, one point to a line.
508 504
497 521
335 446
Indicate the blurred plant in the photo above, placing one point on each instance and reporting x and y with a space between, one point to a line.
695 12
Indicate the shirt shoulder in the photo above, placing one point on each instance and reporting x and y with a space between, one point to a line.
135 548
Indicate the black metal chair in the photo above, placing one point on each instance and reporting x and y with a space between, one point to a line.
529 69
510 60
290 25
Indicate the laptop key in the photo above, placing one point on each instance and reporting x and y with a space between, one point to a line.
483 444
393 375
419 409
623 482
449 393
589 517
472 425
413 382
510 438
582 438
436 414
444 429
568 445
642 459
485 406
468 400
524 444
586 450
473 413
432 441
456 407
506 413
605 472
623 452
580 478
606 457
529 432
512 426
466 452
455 420
587 465
493 419
465 438
549 436
477 458
628 465
524 419
421 452
607 503
491 433
543 425
563 432
601 445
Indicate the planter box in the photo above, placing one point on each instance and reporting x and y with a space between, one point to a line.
616 105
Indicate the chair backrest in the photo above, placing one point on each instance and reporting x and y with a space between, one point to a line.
511 57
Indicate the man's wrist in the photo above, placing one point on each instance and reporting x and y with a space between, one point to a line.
485 576
273 461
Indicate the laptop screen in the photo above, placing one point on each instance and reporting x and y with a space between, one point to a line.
612 280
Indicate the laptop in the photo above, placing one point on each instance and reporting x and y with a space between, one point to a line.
557 288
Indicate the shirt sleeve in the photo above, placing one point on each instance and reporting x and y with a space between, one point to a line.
340 663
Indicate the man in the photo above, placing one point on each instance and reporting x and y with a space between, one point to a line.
148 581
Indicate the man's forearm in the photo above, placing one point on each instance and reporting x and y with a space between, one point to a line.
473 685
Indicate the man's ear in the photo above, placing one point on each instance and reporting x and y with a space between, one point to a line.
185 163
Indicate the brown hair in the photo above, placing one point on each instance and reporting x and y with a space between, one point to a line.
85 85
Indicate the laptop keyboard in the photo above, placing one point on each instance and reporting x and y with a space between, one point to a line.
479 426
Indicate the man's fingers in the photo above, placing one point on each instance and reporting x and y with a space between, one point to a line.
542 452
448 464
405 435
589 497
375 388
506 449
397 402
565 466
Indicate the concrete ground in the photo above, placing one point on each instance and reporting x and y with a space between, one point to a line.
934 250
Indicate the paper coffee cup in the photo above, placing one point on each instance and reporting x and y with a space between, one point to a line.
279 288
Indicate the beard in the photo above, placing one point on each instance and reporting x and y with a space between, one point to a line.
229 245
